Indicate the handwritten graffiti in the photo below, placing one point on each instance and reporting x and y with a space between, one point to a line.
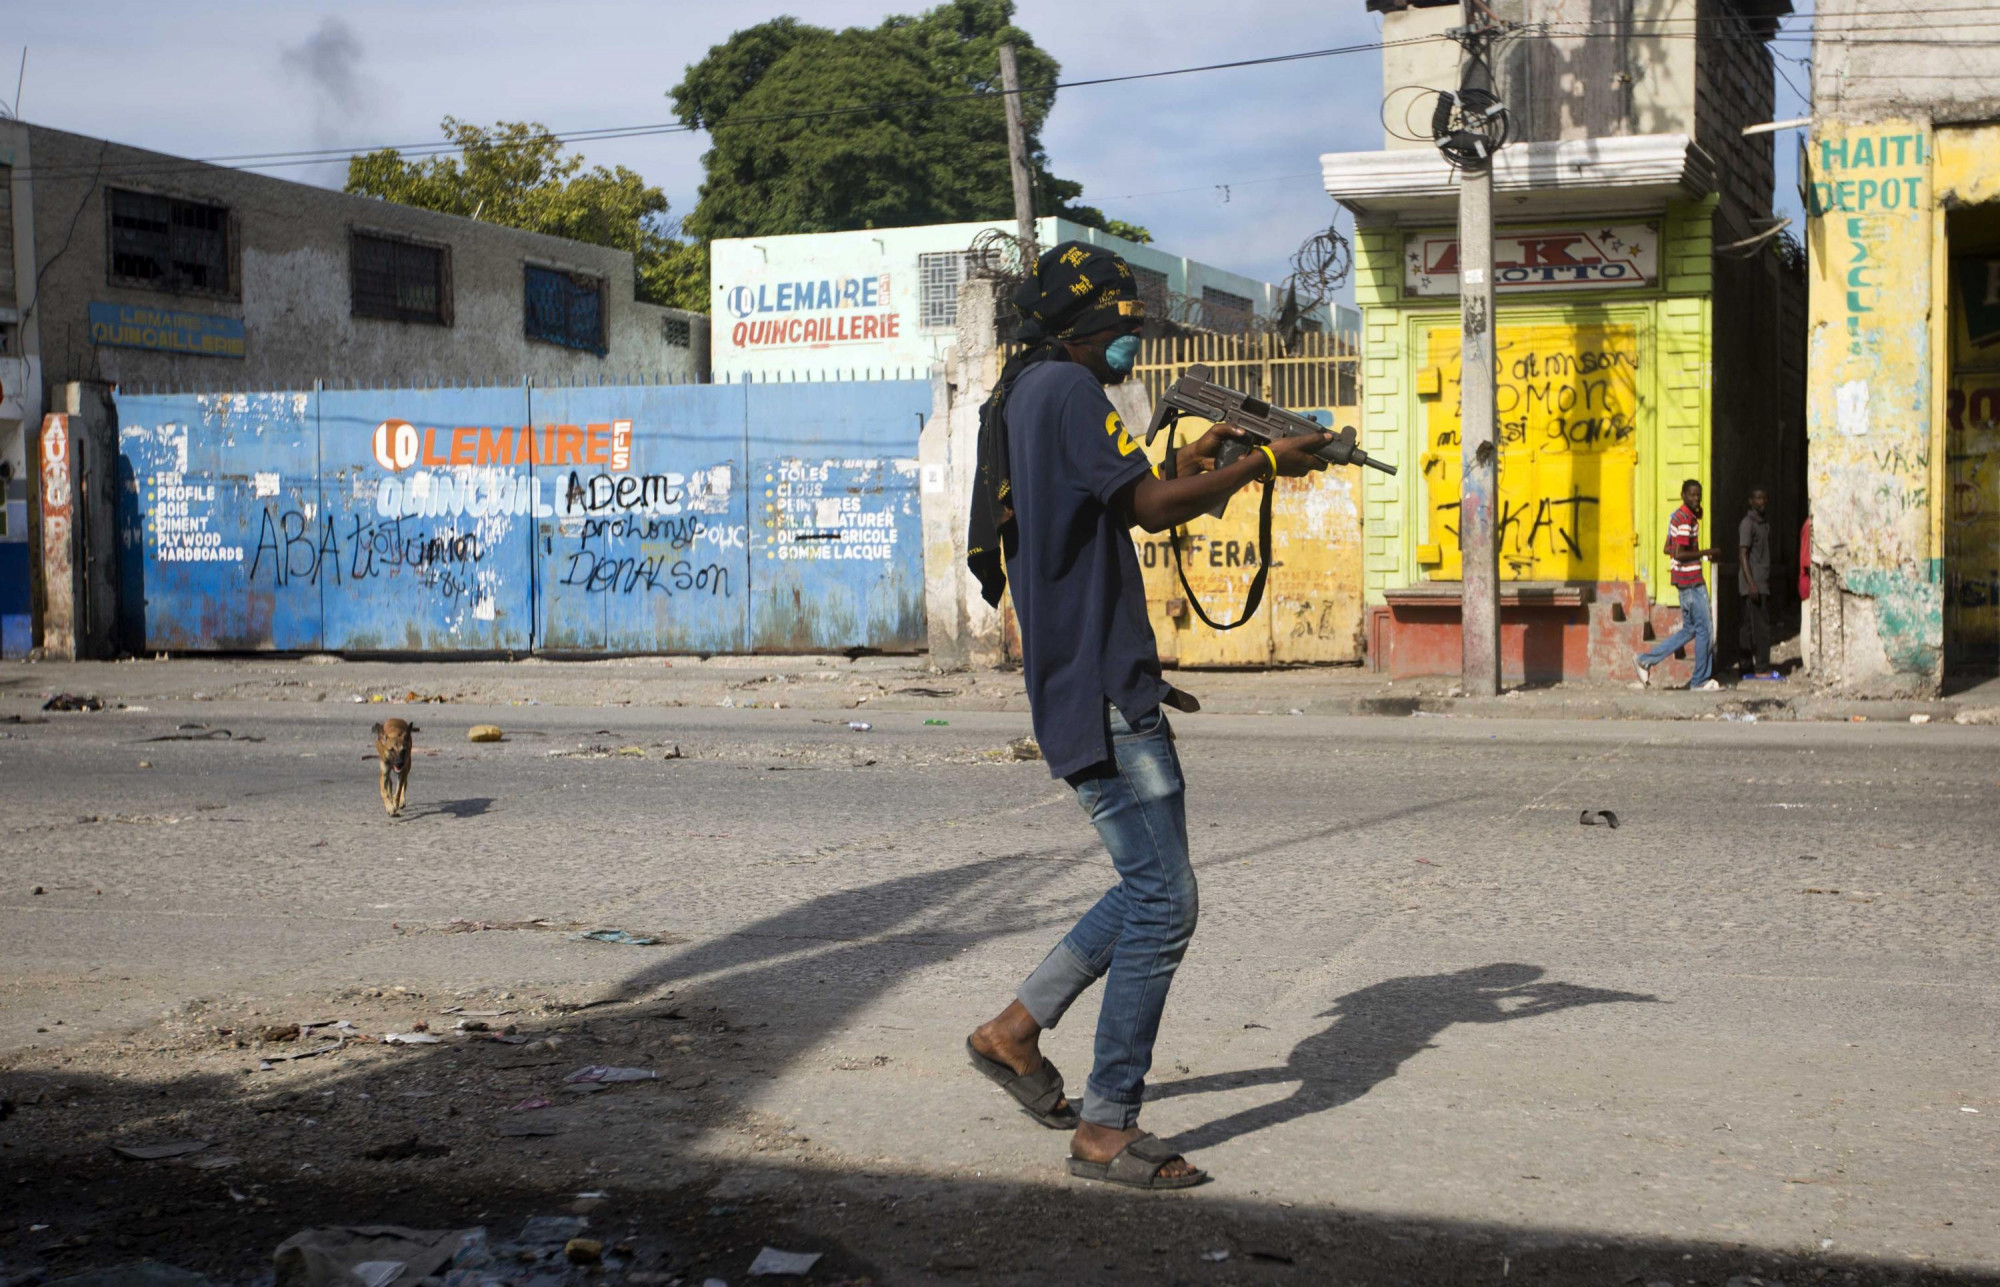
633 553
293 549
598 572
1576 399
1555 529
681 533
1328 618
701 489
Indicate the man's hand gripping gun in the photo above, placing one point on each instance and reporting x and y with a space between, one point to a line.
1196 395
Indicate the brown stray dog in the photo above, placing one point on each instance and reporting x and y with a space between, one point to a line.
392 746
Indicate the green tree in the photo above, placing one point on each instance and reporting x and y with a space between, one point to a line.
517 175
1129 231
820 131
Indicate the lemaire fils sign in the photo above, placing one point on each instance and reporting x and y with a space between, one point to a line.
813 312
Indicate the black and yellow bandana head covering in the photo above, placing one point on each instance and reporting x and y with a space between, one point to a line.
1077 289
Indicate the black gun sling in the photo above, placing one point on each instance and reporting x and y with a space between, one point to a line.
1256 595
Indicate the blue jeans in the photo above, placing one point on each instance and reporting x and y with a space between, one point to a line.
1695 626
1135 936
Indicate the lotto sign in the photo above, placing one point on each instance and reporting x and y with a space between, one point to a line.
1622 256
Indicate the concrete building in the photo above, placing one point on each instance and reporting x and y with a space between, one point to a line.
836 305
1645 333
1904 161
120 266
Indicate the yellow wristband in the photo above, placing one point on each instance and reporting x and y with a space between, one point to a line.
1271 456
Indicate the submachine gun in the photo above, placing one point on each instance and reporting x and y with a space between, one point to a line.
1196 395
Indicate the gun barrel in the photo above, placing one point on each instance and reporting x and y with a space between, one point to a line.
1382 465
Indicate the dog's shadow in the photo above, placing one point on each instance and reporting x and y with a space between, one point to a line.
471 808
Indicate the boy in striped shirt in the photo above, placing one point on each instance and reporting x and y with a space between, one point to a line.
1686 552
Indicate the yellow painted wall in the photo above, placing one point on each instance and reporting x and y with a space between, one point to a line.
1875 420
1567 396
1312 601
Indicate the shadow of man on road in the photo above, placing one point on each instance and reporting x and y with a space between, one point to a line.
1374 1031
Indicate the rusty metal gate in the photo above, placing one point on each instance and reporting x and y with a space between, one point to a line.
1312 603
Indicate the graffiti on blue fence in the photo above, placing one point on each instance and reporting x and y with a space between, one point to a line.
292 549
502 519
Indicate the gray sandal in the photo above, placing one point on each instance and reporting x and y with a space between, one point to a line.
1137 1166
1037 1092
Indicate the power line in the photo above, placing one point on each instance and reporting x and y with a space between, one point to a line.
320 156
1206 187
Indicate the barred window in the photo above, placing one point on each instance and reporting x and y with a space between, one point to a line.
1222 311
565 308
399 280
168 244
939 276
677 331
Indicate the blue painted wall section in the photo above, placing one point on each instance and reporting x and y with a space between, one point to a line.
836 541
208 473
645 551
690 518
423 554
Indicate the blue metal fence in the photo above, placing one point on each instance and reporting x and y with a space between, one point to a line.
670 518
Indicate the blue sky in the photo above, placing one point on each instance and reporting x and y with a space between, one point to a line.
213 77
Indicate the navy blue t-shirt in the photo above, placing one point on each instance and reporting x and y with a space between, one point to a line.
1074 576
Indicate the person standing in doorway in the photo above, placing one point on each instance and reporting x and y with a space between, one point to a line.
1753 582
1686 552
1060 485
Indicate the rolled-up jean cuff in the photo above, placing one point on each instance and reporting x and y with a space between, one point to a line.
1108 1113
1057 982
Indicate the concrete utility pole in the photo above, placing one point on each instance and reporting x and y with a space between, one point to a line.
1479 468
1017 156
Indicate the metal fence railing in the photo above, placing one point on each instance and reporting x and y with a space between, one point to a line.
1317 369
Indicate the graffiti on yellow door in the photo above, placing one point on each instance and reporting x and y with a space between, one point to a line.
1567 428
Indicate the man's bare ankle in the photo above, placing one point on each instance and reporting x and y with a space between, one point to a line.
993 1040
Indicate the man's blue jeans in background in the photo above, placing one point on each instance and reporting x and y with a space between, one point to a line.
1694 625
1135 936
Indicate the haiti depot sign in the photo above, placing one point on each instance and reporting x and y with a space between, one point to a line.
813 312
1621 256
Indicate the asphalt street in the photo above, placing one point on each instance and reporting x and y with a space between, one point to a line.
1424 1006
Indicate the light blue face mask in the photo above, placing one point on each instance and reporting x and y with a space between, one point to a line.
1122 354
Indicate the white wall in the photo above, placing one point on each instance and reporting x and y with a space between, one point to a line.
863 315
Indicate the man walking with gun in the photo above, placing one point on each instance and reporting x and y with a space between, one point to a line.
1060 484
